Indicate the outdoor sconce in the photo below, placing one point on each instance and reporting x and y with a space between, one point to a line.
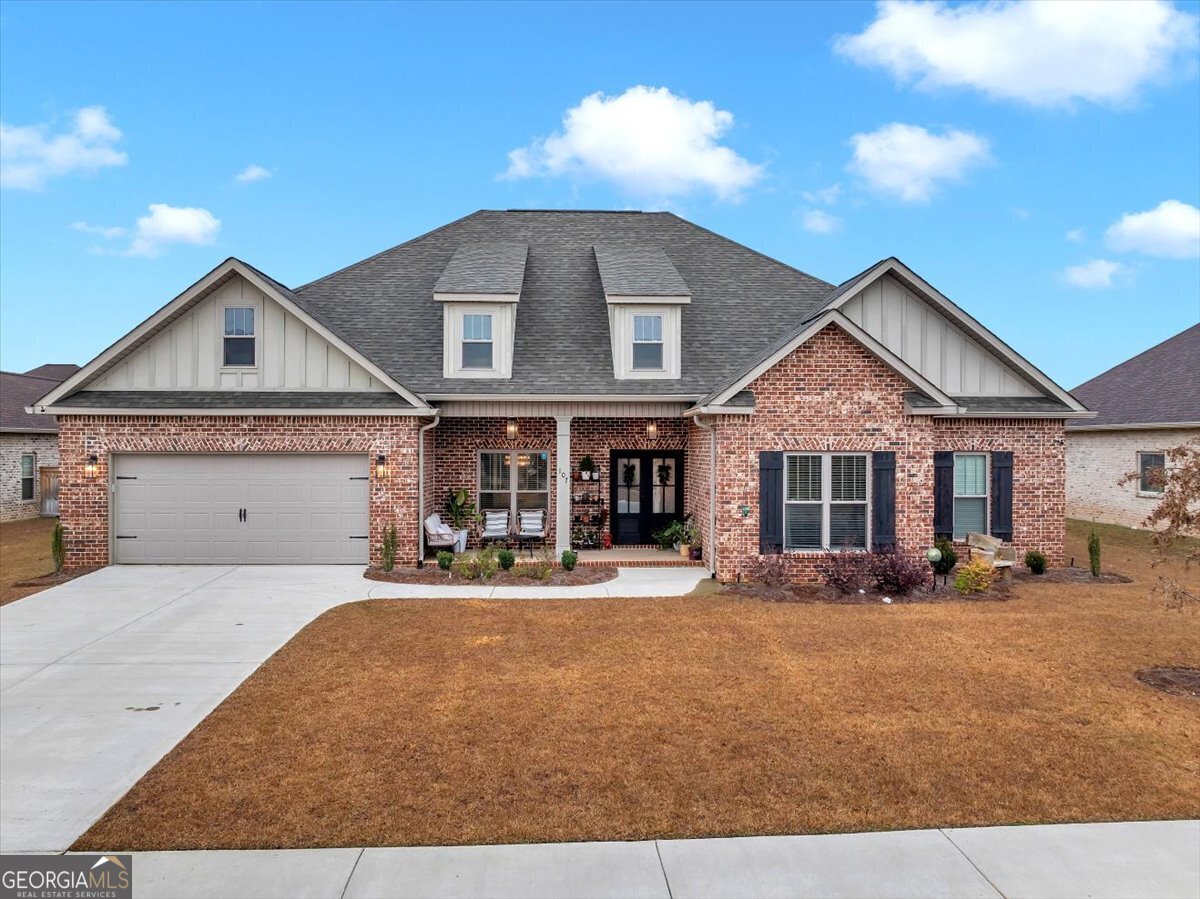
90 466
380 466
511 429
651 430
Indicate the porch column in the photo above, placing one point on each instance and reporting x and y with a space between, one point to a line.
562 484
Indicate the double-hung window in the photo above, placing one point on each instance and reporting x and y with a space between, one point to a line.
825 501
28 473
1152 468
239 336
647 342
477 340
970 494
514 481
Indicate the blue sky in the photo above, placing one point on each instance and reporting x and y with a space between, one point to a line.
1049 187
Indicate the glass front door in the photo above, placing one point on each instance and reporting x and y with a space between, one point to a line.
647 493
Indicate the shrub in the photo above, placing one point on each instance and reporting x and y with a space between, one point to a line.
482 565
388 550
57 548
770 570
1094 552
846 572
1035 562
506 559
894 572
569 559
974 577
445 560
543 567
949 556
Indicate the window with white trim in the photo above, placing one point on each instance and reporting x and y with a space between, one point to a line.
647 343
514 481
477 346
1152 468
28 473
970 494
239 337
825 502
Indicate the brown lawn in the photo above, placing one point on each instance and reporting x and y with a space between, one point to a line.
419 722
24 554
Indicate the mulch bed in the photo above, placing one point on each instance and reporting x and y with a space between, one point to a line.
434 576
818 593
53 580
1070 576
1176 681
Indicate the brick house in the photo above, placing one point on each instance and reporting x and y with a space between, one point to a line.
1144 407
28 444
246 421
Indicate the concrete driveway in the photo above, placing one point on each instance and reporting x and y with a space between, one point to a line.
102 676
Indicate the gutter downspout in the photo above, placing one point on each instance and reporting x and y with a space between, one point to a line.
437 414
712 494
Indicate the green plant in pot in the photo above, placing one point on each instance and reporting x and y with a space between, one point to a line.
460 509
587 467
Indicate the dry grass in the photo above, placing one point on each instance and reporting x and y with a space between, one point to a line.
418 722
24 554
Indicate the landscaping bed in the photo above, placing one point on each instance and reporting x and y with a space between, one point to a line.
818 593
25 559
434 576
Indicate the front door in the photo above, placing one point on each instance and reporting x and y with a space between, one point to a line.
647 493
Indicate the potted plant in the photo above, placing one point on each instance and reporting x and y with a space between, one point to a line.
697 550
688 534
586 468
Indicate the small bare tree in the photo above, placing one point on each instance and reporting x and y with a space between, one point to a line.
1176 516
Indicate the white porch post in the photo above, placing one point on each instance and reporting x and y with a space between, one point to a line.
562 483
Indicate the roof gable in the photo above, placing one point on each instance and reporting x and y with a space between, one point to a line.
17 391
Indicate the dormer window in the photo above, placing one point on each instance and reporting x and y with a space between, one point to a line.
477 349
239 336
647 342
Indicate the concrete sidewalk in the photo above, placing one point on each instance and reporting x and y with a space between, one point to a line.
1127 860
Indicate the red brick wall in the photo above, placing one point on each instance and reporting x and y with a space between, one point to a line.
832 395
83 501
697 488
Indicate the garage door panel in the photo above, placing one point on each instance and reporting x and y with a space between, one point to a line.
184 508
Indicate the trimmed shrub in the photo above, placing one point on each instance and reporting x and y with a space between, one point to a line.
845 572
483 565
896 573
974 577
388 550
569 559
949 556
1094 552
58 548
445 560
769 570
542 568
506 559
1035 562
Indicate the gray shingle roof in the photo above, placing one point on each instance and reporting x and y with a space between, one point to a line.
1158 386
18 391
54 371
485 266
638 271
992 405
384 306
230 399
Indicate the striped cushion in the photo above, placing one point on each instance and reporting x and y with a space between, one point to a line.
531 521
495 524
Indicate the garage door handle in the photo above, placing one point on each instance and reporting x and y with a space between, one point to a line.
241 514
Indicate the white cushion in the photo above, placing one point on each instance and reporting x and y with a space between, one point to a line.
531 521
433 522
495 523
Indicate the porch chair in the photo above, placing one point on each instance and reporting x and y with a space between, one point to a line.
533 528
441 536
994 552
495 527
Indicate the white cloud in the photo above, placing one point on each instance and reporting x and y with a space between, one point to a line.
1040 53
820 222
1170 229
172 224
252 173
30 155
647 141
826 196
99 230
908 162
1077 235
1094 273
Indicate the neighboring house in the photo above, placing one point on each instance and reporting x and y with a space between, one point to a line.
28 444
1144 407
249 422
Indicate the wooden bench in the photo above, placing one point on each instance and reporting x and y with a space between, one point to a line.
994 552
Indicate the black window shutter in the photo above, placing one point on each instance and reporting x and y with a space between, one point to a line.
943 495
883 501
770 503
1002 471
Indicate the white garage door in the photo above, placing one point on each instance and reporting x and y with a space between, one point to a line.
240 509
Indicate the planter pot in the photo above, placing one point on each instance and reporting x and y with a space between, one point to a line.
684 550
577 476
696 554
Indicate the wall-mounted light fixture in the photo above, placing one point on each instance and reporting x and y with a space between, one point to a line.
652 430
380 466
91 465
511 429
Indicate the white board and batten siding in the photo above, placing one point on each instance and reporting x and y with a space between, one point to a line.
187 354
931 343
